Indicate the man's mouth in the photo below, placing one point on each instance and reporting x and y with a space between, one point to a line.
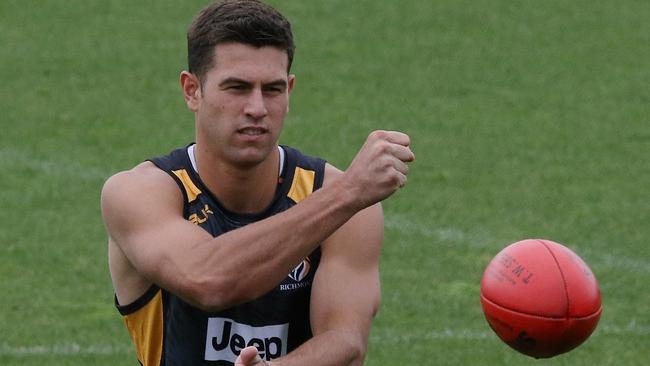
252 131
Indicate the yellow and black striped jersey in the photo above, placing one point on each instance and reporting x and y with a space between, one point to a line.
168 331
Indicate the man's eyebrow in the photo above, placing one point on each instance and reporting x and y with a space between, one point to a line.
236 80
233 80
279 82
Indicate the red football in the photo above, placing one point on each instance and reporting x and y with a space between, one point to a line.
540 298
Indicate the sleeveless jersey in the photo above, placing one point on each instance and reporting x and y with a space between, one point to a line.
168 331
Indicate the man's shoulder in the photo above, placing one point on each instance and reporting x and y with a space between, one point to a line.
144 171
153 171
328 172
144 178
301 159
178 158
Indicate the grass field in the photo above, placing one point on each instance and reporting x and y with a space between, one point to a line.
528 118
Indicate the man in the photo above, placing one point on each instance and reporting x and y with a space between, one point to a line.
235 250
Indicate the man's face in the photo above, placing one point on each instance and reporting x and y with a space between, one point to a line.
243 101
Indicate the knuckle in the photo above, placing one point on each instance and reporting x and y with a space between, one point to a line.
384 147
378 134
385 163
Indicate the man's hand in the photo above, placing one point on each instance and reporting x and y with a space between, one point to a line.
250 357
380 167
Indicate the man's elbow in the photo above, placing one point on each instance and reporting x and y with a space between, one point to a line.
357 345
213 294
219 291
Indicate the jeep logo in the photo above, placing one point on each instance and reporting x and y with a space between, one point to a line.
226 338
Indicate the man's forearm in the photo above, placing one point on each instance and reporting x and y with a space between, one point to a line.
332 348
269 249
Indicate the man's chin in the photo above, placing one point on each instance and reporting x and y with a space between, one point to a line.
250 157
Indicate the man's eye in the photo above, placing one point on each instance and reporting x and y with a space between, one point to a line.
275 89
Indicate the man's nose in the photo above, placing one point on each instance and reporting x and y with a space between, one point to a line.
256 105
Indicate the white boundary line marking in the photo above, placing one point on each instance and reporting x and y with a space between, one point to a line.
69 349
53 168
386 335
404 224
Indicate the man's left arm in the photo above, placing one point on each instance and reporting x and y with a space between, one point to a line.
345 296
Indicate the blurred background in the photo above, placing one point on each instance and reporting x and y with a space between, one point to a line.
529 119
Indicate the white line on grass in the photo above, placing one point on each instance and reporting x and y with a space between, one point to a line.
385 335
634 265
632 327
388 335
53 167
410 225
69 349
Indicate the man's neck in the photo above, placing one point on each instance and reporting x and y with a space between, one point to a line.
245 190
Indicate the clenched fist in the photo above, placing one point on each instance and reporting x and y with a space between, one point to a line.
380 167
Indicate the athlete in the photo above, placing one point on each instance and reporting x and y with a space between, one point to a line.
235 250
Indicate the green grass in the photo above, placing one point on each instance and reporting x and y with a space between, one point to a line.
529 119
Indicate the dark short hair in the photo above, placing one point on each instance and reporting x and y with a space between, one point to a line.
243 21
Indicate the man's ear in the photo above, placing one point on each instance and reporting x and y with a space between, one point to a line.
191 86
291 81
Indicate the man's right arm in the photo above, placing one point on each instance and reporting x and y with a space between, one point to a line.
143 214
